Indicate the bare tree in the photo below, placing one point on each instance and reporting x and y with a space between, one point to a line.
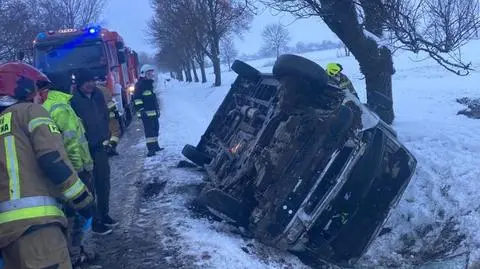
15 35
79 13
195 27
275 37
22 20
220 18
228 51
437 27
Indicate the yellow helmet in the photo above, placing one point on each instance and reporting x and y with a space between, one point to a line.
333 69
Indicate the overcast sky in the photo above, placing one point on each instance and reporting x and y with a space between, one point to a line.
129 18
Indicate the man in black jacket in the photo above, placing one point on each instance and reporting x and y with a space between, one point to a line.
147 108
89 104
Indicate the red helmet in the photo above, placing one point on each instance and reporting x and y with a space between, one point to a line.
21 81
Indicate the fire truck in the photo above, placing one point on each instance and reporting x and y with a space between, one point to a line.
101 51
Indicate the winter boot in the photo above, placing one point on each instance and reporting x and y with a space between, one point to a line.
158 148
108 221
100 228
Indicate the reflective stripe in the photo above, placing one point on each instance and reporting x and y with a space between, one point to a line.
112 115
151 139
114 139
12 167
74 190
37 122
69 134
111 105
147 93
138 102
151 113
27 202
30 213
55 106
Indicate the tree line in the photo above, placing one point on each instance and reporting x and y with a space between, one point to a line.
370 30
22 20
188 31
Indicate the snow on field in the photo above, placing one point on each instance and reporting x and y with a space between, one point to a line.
439 214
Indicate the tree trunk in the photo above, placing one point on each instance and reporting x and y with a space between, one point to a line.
195 75
188 74
201 63
180 74
375 62
229 65
171 74
217 69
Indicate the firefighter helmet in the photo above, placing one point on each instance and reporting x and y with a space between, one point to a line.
333 69
21 81
145 69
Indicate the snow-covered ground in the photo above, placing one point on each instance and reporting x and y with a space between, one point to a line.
439 214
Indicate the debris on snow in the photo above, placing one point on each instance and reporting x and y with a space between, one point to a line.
473 107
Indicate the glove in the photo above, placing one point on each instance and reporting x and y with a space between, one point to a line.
88 225
141 114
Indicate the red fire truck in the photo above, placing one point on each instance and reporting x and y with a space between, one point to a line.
102 51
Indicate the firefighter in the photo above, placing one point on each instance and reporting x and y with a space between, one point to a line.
146 105
57 102
113 121
334 71
35 174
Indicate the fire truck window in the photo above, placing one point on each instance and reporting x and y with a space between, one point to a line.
51 59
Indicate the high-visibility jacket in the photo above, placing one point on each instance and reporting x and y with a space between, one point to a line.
71 127
145 100
35 173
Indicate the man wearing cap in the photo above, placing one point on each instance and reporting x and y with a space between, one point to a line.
89 104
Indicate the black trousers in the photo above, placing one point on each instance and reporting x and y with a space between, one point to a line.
101 183
152 128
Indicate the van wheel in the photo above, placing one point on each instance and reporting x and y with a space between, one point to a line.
293 65
194 155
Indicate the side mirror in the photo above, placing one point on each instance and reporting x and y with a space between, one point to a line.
119 45
121 58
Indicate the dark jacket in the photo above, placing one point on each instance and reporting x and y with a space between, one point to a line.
145 99
94 114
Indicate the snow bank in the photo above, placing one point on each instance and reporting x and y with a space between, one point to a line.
439 214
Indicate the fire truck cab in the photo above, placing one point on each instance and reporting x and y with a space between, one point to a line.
101 51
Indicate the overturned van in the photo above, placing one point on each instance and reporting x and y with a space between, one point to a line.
303 165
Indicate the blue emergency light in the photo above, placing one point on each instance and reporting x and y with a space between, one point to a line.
92 30
41 36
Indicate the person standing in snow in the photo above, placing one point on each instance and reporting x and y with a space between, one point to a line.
146 105
35 174
89 104
334 71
